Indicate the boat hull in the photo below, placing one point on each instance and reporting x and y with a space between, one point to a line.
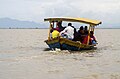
65 44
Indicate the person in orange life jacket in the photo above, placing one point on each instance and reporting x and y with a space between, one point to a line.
86 38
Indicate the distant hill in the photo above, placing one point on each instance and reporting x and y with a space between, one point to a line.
13 23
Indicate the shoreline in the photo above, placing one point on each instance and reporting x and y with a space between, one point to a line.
48 28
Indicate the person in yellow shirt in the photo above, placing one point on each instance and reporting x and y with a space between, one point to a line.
55 34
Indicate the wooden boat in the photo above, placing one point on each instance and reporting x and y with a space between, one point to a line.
66 44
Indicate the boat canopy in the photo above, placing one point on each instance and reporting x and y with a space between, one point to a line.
82 20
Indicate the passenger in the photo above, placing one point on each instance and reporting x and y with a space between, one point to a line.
68 32
92 38
81 34
86 38
51 33
55 34
85 30
81 31
75 34
59 26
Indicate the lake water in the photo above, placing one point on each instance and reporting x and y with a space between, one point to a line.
23 56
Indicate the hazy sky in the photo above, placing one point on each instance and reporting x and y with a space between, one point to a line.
108 11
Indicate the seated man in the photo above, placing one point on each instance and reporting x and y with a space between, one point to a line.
85 30
92 38
68 32
81 35
55 34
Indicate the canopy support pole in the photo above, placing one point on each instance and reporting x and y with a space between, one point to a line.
49 30
89 34
92 28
